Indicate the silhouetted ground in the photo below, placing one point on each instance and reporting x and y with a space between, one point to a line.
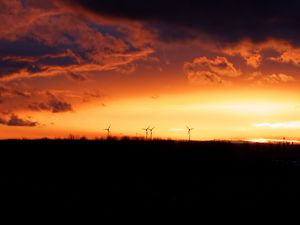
123 179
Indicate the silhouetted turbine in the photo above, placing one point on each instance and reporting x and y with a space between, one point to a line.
151 130
108 131
146 129
189 132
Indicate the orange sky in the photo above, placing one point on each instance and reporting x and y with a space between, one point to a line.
240 114
65 70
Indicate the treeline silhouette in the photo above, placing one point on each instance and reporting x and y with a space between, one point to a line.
126 178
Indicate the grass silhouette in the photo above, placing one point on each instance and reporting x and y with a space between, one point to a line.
119 177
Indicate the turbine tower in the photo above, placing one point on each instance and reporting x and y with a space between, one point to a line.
108 131
146 129
189 132
151 130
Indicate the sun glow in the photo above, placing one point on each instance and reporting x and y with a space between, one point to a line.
258 108
239 115
274 141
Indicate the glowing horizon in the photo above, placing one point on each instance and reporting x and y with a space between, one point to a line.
211 119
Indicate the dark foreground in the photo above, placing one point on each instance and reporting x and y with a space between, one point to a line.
130 179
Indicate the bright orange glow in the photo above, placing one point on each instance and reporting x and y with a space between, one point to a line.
274 141
239 114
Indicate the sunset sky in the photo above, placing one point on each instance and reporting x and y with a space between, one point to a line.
227 68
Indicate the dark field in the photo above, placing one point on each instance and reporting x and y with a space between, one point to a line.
118 179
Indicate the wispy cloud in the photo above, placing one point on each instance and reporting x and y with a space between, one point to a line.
278 125
261 79
60 42
115 62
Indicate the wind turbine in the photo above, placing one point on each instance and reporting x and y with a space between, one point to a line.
146 129
151 130
108 130
189 132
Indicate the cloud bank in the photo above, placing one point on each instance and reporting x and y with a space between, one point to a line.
227 20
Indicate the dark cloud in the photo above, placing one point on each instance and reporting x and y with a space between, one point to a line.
39 107
57 106
154 97
54 105
2 121
88 96
229 20
10 91
15 120
95 94
14 60
25 47
16 96
76 76
30 55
